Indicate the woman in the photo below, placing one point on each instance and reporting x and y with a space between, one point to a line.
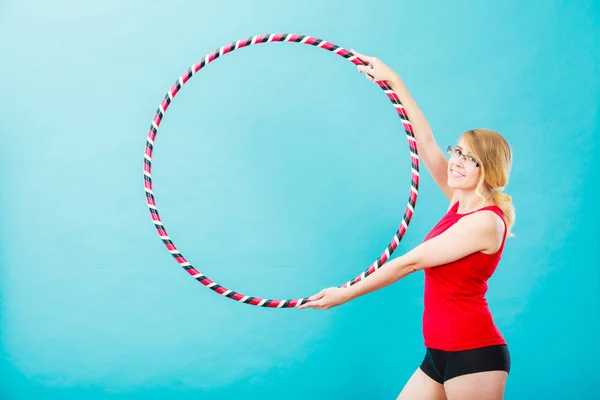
466 356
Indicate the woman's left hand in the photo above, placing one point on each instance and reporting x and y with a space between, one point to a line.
327 299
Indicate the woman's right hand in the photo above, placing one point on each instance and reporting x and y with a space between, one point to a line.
376 70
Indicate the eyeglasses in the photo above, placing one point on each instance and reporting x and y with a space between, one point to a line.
456 152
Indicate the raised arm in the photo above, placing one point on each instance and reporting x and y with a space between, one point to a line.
432 155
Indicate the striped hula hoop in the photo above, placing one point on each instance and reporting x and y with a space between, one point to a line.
164 105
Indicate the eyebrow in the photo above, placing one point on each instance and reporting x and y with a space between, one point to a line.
461 149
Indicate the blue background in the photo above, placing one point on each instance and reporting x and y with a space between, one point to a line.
279 170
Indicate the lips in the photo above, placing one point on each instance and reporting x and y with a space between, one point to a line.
456 174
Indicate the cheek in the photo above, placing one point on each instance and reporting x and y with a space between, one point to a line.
474 178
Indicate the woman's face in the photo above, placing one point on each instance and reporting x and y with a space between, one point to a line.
464 169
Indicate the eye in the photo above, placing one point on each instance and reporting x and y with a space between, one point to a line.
458 152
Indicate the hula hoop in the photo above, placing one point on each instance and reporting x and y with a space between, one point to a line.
162 108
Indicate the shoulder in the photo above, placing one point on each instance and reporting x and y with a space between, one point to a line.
487 225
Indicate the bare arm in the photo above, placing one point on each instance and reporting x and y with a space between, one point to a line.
482 231
429 151
432 155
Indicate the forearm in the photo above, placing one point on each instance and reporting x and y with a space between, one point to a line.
421 127
389 273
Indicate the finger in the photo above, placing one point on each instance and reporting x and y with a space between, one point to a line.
362 56
317 296
310 303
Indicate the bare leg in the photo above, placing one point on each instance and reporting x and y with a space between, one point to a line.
487 385
422 387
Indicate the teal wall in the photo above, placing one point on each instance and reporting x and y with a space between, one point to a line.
280 170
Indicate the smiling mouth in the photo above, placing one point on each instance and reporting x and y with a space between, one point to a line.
456 173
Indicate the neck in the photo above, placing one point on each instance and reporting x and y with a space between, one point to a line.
469 201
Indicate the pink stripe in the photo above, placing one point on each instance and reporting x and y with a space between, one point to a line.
151 135
277 37
174 90
164 105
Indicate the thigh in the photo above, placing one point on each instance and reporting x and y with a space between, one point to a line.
422 387
487 385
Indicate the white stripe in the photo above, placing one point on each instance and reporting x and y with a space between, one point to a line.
221 51
170 94
254 40
174 251
186 264
149 139
147 174
160 107
211 284
281 304
414 171
305 39
362 276
322 43
387 253
410 207
156 222
415 156
206 59
245 298
154 125
225 293
147 157
412 139
181 81
338 49
413 189
198 275
148 190
152 206
165 237
263 301
287 39
404 223
299 302
354 57
193 68
396 240
271 36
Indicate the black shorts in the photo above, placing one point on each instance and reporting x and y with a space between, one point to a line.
442 365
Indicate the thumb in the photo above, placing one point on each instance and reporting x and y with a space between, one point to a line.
317 296
362 56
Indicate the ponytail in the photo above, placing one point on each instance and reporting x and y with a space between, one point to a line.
504 202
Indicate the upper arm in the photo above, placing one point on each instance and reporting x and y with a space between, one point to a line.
436 163
481 231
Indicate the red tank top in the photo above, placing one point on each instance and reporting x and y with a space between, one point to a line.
456 314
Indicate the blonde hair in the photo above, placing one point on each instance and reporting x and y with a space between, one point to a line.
495 158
